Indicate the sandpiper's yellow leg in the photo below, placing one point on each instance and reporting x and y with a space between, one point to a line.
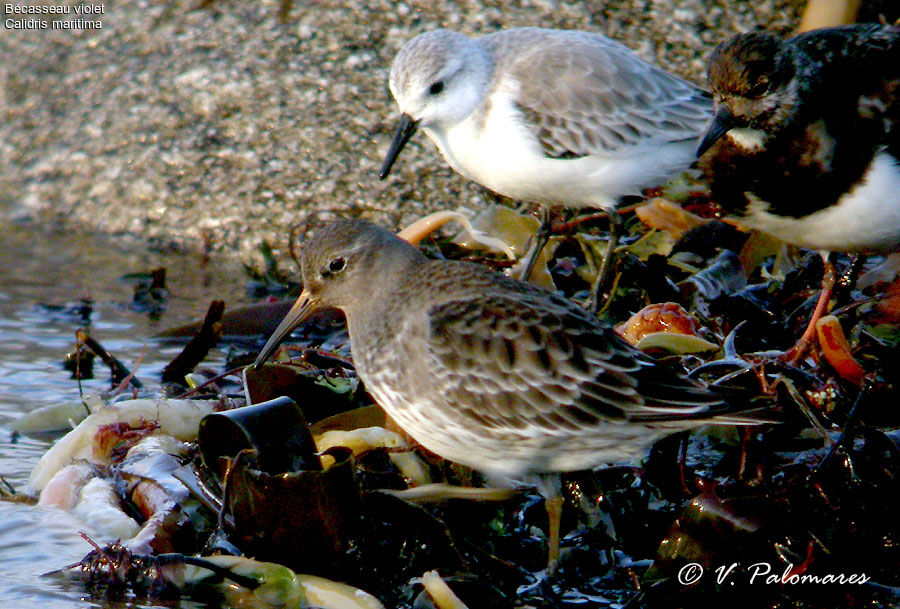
554 515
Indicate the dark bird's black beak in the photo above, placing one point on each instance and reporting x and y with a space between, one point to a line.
405 128
722 122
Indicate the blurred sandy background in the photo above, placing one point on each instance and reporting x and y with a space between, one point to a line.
213 126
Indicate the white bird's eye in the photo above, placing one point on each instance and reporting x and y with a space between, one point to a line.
436 88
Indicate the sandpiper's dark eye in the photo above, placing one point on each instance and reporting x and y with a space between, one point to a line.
436 88
337 265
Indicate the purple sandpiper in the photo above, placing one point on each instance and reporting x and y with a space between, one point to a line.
497 374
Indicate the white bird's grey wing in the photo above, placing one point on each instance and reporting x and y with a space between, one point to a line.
585 94
520 361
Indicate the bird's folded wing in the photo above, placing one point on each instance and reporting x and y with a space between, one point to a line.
593 96
514 363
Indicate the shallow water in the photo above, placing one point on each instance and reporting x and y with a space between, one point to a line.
39 268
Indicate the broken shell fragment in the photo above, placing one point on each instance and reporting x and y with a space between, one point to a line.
664 326
178 418
365 439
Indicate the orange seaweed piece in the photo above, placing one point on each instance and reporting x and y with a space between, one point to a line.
836 349
664 215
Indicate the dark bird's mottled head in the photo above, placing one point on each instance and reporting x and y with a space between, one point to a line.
749 65
752 77
337 264
337 260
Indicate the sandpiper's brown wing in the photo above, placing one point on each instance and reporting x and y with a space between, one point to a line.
528 359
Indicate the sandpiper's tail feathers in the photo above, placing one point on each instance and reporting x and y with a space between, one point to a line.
674 399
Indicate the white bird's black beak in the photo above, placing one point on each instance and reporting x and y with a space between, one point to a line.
405 129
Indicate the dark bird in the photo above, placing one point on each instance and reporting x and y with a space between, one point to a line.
805 142
493 373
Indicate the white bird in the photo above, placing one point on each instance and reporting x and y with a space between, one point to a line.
555 117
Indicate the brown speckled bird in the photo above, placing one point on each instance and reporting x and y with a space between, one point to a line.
496 374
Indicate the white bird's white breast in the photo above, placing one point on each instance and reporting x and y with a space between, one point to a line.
865 220
500 151
496 150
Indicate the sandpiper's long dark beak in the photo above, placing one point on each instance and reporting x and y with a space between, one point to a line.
405 128
722 122
297 314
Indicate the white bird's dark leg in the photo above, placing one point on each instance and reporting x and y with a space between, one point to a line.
541 237
597 287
